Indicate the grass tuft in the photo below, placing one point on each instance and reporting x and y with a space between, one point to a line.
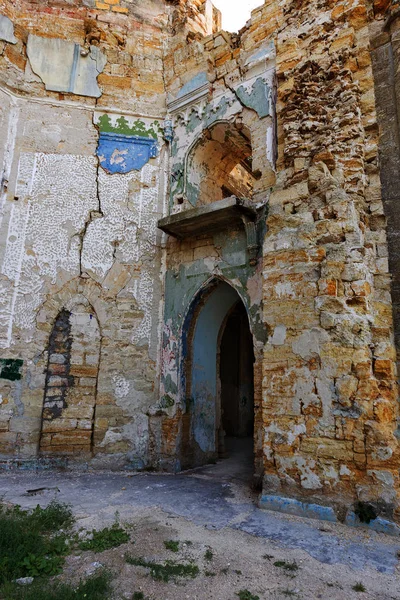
105 539
29 546
208 555
164 572
283 564
359 587
172 545
96 587
246 595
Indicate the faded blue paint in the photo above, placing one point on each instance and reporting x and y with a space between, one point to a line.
295 507
204 364
258 98
123 153
195 83
380 525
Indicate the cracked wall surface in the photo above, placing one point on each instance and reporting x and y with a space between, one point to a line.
180 115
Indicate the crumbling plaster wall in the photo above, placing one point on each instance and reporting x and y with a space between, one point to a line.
72 230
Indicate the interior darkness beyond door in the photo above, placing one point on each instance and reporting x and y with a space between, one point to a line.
236 373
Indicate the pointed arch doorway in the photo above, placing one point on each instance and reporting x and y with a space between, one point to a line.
217 377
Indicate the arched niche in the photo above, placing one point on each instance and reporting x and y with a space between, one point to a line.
219 164
71 381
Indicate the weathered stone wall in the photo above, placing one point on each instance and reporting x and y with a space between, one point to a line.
385 51
330 401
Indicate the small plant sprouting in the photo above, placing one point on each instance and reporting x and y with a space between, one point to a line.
164 572
288 592
359 587
104 539
284 564
246 595
268 556
209 574
208 555
172 545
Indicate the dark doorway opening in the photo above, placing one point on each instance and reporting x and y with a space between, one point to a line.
236 363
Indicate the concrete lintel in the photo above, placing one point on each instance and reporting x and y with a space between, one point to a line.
215 216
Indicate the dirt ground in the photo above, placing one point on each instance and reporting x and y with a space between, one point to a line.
240 551
239 562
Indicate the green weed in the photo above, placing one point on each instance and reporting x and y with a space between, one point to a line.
104 539
208 555
95 588
164 572
286 565
246 595
172 545
359 587
29 546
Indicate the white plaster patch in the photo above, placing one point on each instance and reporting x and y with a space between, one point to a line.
7 30
63 67
309 343
331 473
279 336
284 290
344 471
111 437
385 477
121 386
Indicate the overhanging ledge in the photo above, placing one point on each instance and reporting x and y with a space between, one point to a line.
223 214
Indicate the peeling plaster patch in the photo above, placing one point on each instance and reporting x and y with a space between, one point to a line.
256 95
309 479
121 386
309 342
122 154
296 433
285 289
279 336
344 471
305 390
42 238
194 84
7 30
331 473
63 67
385 477
111 437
